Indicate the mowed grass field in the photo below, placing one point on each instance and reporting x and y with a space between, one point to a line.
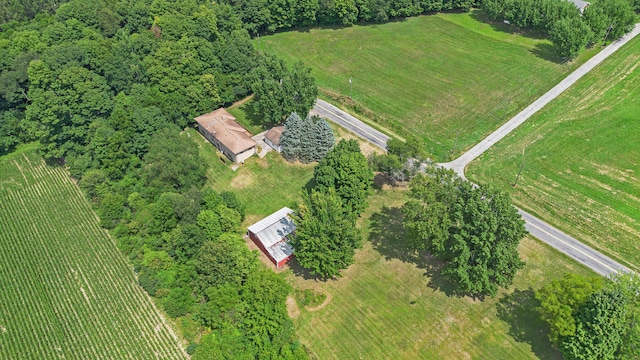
66 292
393 303
582 159
441 77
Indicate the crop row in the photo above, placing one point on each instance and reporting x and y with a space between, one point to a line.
65 288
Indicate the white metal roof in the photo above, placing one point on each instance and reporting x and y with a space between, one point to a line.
270 220
271 232
280 251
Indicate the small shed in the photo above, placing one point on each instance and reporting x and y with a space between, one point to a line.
581 5
224 132
270 235
272 137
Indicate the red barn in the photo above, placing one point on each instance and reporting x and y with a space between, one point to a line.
270 235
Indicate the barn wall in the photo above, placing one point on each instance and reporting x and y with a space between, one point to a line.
258 243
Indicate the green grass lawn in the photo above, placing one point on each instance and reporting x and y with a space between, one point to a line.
582 159
393 304
66 291
263 185
248 117
441 77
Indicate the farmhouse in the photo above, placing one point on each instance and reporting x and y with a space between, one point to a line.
270 235
272 137
223 131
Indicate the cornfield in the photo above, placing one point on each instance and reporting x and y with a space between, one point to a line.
66 292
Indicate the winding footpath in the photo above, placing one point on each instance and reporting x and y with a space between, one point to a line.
546 233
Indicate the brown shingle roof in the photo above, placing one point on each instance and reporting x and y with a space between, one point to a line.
224 127
274 134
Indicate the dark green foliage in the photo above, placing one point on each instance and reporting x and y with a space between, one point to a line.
227 343
226 260
280 90
102 85
218 221
540 14
600 328
590 319
629 286
346 170
178 302
476 231
562 20
560 301
570 36
26 9
306 140
610 18
9 130
291 138
326 236
63 106
272 15
172 163
231 201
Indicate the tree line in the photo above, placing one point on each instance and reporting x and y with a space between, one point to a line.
569 30
105 87
261 16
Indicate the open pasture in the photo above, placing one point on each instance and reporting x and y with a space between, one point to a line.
66 290
394 304
449 79
581 159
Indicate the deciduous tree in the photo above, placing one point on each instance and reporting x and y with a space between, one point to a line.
326 236
279 90
476 230
560 301
346 170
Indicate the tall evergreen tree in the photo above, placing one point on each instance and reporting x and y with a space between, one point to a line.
306 140
291 137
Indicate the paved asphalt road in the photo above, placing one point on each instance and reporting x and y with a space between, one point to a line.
555 238
459 164
571 247
326 110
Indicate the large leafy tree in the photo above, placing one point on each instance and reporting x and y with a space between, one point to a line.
475 230
172 163
280 90
560 301
569 36
610 18
600 328
346 170
326 236
64 105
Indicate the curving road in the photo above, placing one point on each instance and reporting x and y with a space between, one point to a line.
548 234
334 114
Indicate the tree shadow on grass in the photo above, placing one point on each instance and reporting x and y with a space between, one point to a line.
547 52
389 238
481 16
299 271
518 309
